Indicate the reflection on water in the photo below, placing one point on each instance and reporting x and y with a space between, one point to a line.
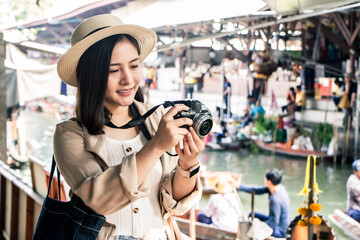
331 177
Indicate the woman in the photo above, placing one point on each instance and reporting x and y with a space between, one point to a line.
290 107
223 210
119 172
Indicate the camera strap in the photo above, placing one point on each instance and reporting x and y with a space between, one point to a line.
138 119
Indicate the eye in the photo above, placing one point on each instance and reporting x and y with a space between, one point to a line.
113 71
134 66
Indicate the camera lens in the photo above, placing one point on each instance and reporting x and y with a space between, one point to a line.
202 124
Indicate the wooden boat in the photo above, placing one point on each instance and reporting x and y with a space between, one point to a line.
208 232
322 231
236 145
346 223
208 177
282 149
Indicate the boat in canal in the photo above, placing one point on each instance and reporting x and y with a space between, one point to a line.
282 149
208 232
347 224
204 231
208 177
322 231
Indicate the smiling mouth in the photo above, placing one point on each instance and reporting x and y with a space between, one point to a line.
124 91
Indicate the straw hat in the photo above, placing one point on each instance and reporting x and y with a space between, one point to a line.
222 184
95 29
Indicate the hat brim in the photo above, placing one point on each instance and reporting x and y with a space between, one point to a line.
68 62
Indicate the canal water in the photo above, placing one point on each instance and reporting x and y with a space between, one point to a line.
331 179
39 128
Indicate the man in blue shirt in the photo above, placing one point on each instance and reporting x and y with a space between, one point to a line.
279 203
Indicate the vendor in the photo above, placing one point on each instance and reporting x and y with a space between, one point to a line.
300 99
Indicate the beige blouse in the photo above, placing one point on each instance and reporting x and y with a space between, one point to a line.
142 217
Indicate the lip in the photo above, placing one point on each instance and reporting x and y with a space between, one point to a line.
125 92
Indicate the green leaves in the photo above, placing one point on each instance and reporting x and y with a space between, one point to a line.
321 135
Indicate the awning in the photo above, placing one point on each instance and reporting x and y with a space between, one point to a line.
175 12
34 79
285 7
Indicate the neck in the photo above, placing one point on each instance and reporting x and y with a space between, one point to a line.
273 188
120 115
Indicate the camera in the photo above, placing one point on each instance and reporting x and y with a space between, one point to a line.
200 114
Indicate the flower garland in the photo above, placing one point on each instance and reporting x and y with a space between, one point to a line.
315 207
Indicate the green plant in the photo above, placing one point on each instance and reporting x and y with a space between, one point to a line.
322 135
263 125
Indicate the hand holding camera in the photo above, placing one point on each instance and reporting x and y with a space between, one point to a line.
169 132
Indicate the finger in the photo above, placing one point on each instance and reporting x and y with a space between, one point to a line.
186 148
198 141
182 131
183 121
177 108
190 140
178 150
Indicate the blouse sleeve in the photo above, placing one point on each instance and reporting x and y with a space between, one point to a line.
182 206
104 189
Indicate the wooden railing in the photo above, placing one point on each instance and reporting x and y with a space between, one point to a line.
20 205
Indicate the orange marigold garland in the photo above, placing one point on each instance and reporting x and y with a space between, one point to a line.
316 220
303 211
302 223
315 207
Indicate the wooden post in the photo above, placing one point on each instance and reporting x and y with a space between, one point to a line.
311 193
252 205
2 205
347 138
29 231
2 101
14 212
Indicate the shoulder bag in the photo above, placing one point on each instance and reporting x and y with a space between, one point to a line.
66 220
344 102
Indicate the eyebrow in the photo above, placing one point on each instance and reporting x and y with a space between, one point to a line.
134 60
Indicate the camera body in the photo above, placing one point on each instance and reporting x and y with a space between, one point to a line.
200 114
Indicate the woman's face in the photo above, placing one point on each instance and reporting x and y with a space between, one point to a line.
125 75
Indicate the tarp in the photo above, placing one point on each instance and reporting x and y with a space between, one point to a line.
175 12
34 79
284 7
11 88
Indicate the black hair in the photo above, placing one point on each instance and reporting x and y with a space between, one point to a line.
292 89
298 87
92 75
274 176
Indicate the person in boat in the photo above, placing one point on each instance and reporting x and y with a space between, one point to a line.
124 174
353 192
279 204
257 110
223 209
224 132
247 118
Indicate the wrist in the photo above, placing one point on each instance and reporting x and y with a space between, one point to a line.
186 165
190 172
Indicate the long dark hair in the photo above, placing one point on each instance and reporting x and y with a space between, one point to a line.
92 75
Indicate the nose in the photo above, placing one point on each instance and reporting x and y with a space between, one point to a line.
126 76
